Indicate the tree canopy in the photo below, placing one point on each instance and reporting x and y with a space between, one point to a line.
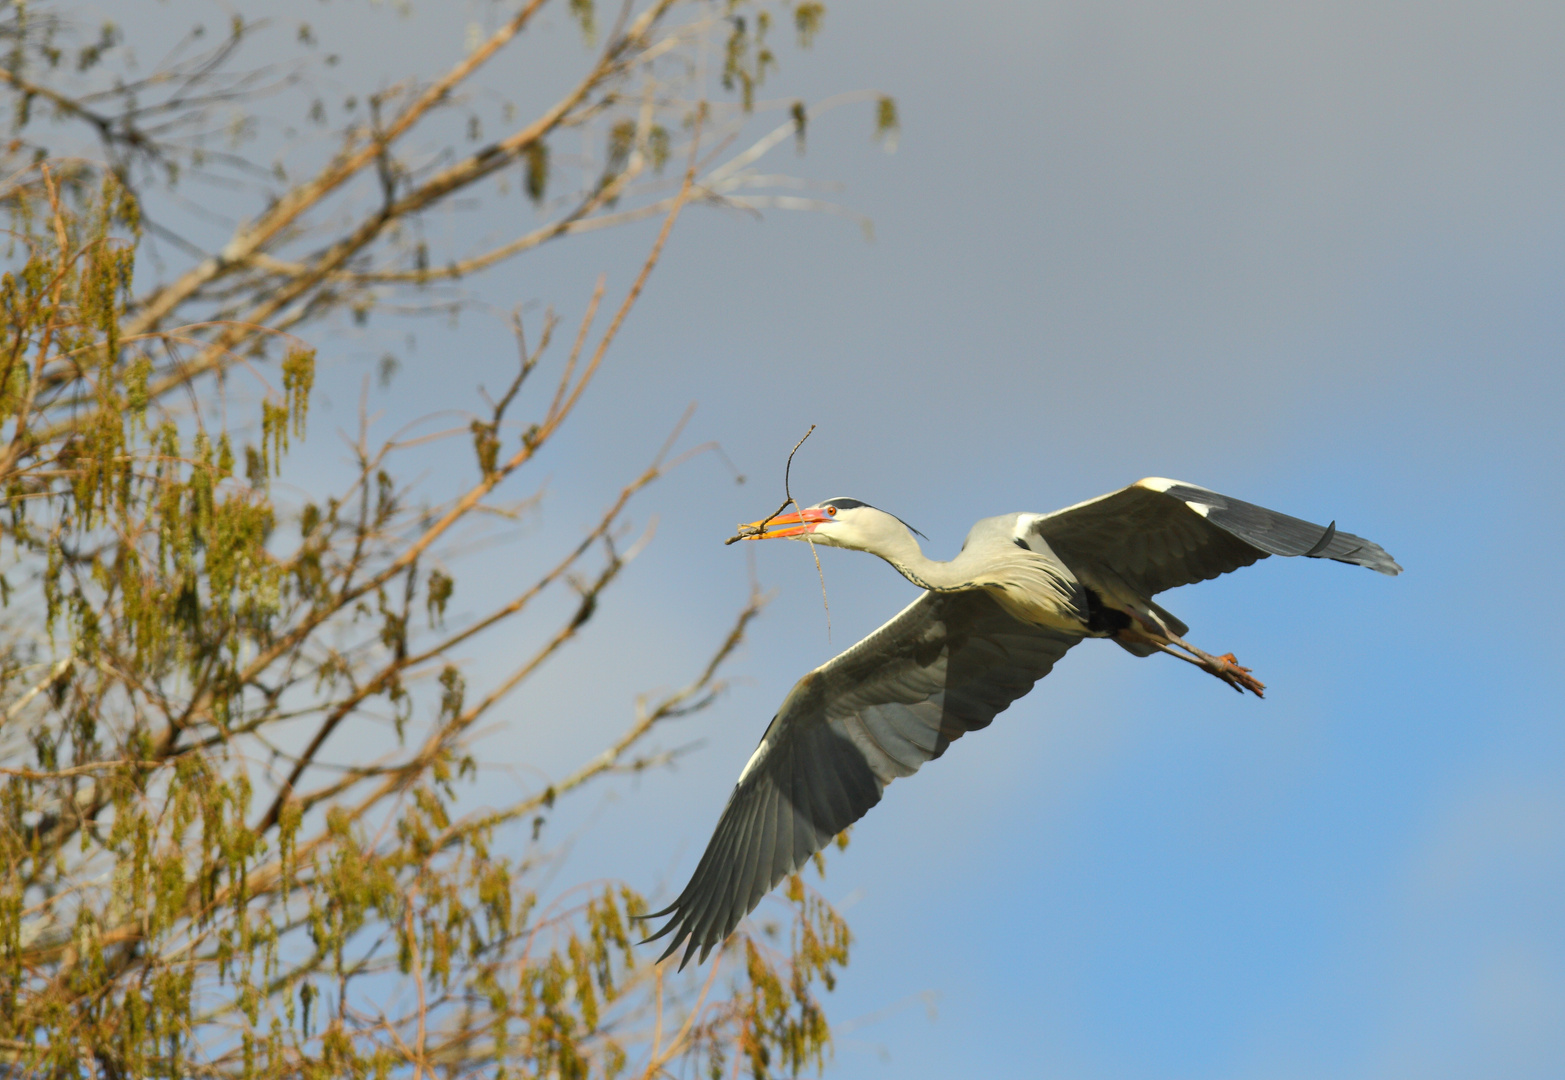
187 887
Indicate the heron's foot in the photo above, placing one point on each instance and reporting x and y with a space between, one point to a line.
1226 668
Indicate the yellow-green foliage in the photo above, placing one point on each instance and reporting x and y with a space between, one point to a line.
238 834
169 904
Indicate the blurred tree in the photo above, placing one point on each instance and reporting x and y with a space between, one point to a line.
184 888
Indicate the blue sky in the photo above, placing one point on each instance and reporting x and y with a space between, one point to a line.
1308 254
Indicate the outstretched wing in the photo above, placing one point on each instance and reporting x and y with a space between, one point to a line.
1157 534
943 667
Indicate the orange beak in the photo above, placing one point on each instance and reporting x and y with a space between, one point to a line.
782 525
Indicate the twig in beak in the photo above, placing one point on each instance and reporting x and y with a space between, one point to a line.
747 532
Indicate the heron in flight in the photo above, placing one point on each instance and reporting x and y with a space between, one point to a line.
989 624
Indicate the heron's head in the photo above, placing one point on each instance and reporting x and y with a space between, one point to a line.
840 522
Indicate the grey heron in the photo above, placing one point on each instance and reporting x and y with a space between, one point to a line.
989 624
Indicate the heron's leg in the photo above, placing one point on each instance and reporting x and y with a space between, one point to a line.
1225 667
1143 630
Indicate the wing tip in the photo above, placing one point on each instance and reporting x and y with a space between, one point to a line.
1331 544
685 938
656 914
1380 562
1365 553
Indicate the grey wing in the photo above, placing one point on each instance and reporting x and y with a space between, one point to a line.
1157 534
943 667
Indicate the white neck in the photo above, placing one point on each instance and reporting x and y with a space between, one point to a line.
901 550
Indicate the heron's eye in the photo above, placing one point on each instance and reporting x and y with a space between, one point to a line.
831 511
